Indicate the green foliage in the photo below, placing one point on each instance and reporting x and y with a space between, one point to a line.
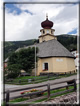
11 46
13 70
23 59
69 41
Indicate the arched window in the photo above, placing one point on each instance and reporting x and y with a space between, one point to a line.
47 31
43 31
51 32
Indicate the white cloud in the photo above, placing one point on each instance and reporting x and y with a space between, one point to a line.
64 28
25 26
42 0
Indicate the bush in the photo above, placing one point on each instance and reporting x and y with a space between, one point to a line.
13 71
23 59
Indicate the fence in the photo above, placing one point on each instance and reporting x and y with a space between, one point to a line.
31 80
37 80
48 90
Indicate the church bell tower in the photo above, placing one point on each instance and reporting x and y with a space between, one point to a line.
47 33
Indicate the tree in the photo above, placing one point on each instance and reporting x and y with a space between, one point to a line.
13 70
27 58
23 59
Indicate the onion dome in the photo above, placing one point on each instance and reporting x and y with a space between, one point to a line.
47 24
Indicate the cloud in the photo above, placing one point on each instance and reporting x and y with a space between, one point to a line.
66 20
27 24
11 8
41 0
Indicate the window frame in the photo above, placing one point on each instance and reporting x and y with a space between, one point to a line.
44 66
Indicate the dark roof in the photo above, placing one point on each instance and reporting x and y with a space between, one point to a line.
47 24
51 48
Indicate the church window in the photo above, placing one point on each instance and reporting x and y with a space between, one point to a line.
45 66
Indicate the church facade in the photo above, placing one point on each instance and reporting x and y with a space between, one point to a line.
53 56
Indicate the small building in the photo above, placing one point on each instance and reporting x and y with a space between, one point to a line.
53 56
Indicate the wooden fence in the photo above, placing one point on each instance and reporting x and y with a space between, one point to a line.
48 89
31 80
36 80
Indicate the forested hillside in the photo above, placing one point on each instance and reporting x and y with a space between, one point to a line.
69 41
11 46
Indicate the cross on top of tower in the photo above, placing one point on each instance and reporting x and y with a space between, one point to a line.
46 15
47 24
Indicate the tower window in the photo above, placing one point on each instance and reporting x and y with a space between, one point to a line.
47 31
43 31
51 32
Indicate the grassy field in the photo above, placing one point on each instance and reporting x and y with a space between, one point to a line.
55 91
35 79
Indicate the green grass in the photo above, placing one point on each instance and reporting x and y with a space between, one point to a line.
26 77
38 79
45 99
55 91
18 100
51 92
24 80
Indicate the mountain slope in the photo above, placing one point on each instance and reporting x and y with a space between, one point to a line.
11 46
69 41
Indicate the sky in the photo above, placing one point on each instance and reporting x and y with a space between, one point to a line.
23 21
